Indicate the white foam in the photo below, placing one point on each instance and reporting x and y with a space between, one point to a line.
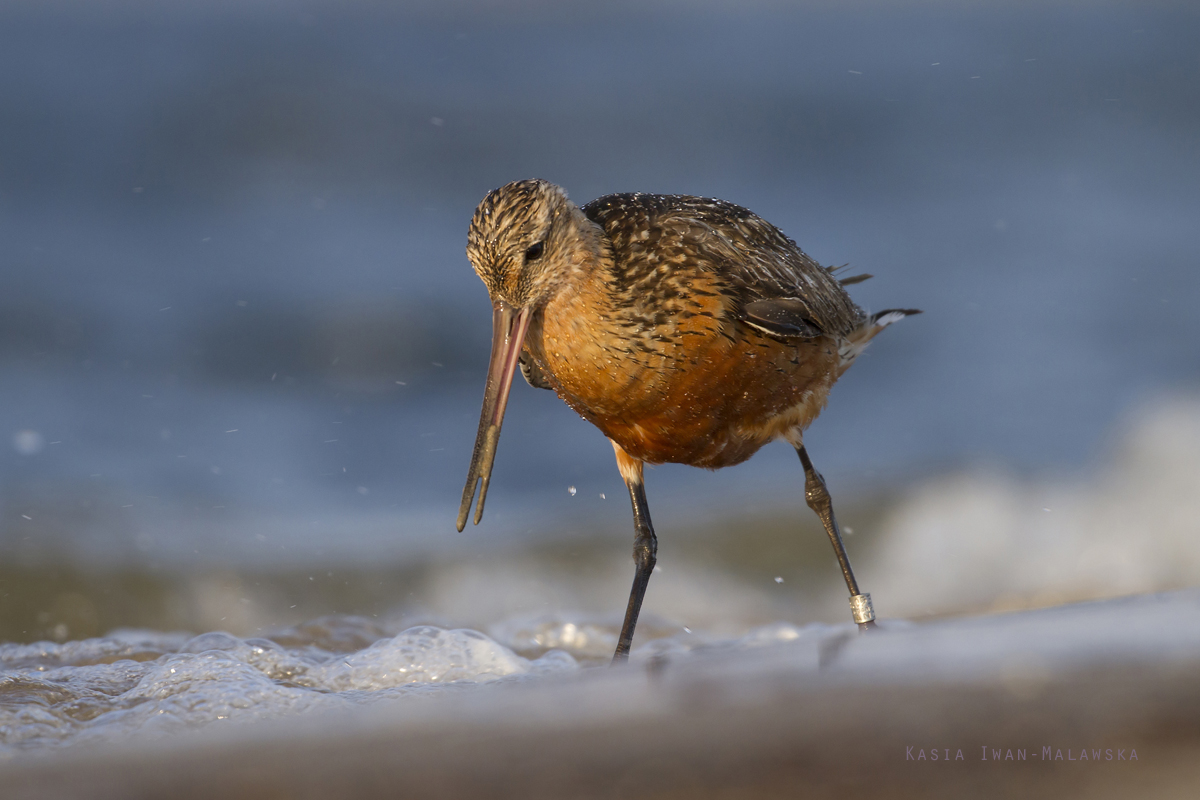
983 540
71 693
428 655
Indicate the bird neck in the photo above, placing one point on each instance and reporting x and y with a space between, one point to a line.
587 256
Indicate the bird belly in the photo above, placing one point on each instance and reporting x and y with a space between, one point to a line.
708 400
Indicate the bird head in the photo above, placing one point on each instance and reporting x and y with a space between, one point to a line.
527 242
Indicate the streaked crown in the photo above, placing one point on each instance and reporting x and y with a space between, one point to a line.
520 240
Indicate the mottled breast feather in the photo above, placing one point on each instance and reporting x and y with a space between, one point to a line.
659 241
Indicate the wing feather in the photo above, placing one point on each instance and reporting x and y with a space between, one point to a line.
662 242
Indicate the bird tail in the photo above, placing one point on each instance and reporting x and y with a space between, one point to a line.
855 279
881 319
859 338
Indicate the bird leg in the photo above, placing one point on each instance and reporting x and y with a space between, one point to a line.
818 500
645 548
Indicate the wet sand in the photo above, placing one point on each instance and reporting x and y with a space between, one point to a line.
841 715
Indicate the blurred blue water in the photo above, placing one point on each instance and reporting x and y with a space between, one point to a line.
233 288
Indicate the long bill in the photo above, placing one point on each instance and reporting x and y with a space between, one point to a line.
509 325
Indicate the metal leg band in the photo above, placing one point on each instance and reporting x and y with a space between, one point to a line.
860 604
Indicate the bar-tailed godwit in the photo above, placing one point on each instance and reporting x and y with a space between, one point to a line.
688 330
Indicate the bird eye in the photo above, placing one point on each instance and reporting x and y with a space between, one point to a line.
535 252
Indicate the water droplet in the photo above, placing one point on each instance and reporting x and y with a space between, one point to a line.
28 443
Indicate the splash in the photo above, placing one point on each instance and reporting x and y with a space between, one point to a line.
141 683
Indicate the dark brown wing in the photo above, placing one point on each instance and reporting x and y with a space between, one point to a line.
659 241
786 317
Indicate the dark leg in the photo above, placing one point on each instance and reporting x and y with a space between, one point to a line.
645 548
818 500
